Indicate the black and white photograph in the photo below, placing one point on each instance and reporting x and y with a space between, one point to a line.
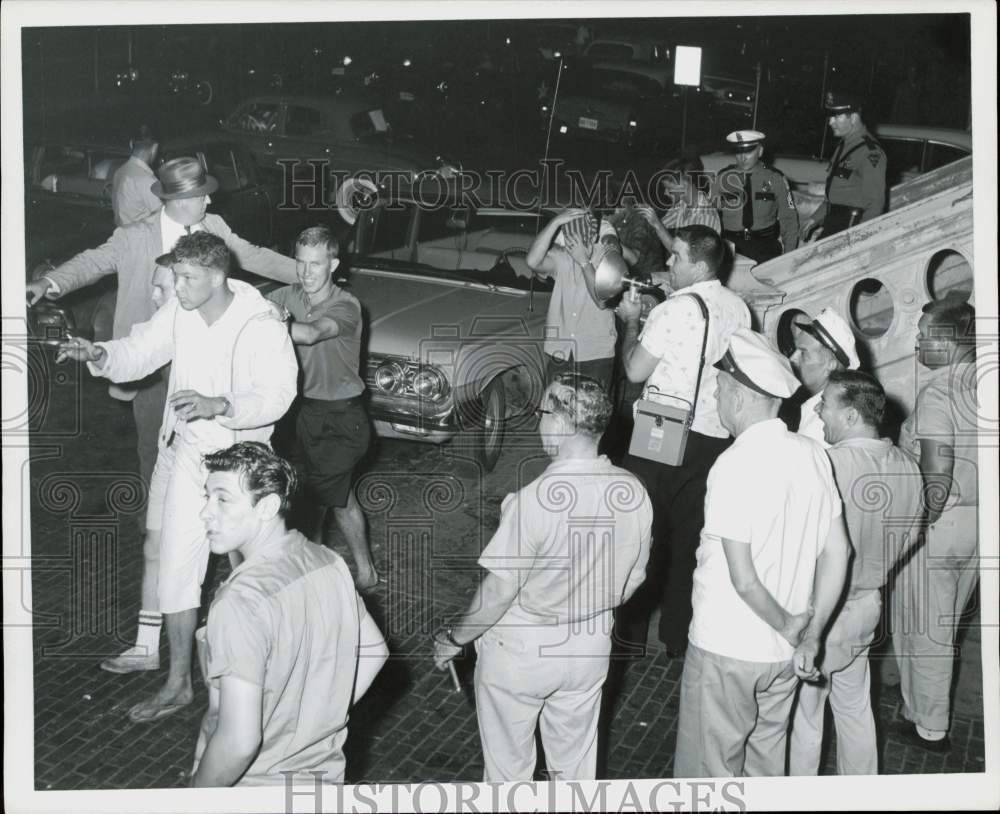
496 407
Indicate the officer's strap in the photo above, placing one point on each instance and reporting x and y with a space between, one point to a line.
837 161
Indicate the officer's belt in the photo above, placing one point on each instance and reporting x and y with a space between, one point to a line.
745 234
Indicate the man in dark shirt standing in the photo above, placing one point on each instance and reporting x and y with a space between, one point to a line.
331 426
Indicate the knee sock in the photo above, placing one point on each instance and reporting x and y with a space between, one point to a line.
148 636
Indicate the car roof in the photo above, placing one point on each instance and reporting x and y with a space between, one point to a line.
945 135
664 74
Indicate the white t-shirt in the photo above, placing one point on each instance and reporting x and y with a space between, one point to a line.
773 490
673 333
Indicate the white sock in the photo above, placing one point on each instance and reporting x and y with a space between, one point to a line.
931 734
147 638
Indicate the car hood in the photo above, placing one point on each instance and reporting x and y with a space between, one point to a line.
407 314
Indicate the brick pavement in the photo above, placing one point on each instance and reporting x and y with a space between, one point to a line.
425 506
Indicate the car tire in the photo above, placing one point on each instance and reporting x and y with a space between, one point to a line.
485 440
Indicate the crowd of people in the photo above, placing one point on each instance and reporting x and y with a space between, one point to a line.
757 539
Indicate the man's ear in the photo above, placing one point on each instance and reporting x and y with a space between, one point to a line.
334 264
267 507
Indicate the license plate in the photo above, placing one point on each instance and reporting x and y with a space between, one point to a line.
587 124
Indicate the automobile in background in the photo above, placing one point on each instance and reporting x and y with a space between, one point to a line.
68 209
726 94
455 321
349 129
627 48
628 103
911 151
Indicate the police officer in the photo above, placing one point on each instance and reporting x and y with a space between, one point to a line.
755 201
855 181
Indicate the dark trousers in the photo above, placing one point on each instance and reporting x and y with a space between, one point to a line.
840 217
147 410
678 497
755 247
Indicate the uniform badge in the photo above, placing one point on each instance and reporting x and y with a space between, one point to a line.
874 158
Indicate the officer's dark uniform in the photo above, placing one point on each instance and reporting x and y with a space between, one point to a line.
855 182
762 221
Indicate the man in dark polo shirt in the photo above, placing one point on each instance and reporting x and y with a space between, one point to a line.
331 427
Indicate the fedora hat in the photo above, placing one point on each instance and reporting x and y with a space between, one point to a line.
183 177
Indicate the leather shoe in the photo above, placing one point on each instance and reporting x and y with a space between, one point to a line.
907 732
132 660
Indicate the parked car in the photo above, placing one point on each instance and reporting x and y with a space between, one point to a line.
68 209
455 321
627 48
628 103
728 95
911 150
350 129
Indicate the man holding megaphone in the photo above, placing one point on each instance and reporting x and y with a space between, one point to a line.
584 258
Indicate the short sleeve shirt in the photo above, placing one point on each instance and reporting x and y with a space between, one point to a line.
288 620
881 488
575 540
774 491
700 212
329 367
673 333
946 411
575 325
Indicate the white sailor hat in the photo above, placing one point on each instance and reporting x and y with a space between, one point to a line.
745 139
832 332
753 361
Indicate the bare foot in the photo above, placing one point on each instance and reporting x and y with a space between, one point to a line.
168 700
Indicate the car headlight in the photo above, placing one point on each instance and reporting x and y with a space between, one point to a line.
633 123
405 379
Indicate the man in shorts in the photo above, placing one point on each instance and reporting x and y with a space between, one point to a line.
331 426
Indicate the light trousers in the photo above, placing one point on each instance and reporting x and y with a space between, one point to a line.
847 684
733 717
931 593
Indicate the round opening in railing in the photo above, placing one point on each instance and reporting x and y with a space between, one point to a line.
784 334
948 271
871 307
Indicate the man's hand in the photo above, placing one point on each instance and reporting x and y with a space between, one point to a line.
804 659
630 307
444 651
567 215
795 626
649 215
190 405
281 313
79 350
810 232
579 251
37 289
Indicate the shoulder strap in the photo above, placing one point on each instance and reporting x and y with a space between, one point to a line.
704 345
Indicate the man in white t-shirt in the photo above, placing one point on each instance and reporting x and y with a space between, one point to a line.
822 346
771 567
666 357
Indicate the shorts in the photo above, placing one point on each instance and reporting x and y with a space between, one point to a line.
331 438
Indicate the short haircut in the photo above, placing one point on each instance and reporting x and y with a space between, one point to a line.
261 472
319 236
143 138
689 167
954 317
704 244
202 249
587 407
863 392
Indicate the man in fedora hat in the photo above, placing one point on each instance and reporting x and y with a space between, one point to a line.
771 567
822 346
855 181
758 214
130 253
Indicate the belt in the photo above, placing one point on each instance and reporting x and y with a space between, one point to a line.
327 402
746 234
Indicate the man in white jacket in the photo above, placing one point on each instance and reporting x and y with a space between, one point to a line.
233 376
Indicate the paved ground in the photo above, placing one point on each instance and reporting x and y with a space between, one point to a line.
430 513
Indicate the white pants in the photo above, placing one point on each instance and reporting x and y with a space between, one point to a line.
521 683
183 545
847 683
931 592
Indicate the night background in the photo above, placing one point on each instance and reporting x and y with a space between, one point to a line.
476 87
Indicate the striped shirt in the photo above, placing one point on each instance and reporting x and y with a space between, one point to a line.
684 214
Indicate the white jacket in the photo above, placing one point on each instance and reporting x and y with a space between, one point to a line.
246 356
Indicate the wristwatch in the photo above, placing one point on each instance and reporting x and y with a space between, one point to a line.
450 637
